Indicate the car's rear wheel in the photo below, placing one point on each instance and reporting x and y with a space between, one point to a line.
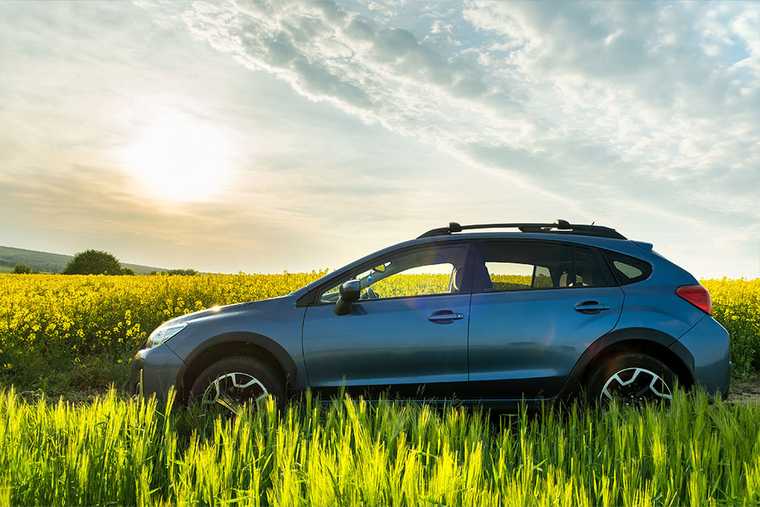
632 379
233 381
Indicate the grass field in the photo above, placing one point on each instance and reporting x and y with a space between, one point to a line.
127 452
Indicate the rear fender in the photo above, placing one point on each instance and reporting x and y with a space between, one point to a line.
638 338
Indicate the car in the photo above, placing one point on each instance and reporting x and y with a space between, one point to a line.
529 312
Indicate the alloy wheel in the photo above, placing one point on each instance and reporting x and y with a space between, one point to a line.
231 390
635 386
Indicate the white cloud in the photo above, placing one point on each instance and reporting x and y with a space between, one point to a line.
548 91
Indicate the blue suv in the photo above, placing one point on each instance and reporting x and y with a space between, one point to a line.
536 312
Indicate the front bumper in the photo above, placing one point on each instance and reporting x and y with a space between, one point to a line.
154 372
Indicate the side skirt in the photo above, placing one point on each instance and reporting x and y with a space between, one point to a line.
482 392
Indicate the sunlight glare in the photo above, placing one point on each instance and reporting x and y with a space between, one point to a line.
178 159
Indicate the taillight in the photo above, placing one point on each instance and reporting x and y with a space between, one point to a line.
696 295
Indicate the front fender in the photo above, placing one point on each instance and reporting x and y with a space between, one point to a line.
232 343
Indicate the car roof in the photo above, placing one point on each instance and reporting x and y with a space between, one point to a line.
542 236
560 226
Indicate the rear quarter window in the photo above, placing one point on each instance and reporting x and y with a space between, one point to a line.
628 269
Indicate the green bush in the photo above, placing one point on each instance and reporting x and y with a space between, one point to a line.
22 269
182 272
93 262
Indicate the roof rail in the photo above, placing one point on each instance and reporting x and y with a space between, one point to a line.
559 227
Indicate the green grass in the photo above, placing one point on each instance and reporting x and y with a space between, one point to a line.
129 452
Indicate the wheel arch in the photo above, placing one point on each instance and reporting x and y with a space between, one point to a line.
240 344
655 343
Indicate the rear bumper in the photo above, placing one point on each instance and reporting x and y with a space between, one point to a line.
154 372
709 345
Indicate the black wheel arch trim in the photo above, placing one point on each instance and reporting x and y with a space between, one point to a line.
284 360
615 337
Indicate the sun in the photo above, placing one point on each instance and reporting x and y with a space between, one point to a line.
178 159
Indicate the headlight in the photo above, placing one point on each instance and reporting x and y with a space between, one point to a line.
163 333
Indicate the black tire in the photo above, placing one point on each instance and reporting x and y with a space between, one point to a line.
625 365
264 373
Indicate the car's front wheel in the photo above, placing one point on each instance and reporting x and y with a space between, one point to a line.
233 381
632 379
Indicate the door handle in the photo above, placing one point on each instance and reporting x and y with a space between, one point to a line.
591 307
445 316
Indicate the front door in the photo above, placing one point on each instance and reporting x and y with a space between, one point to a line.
406 335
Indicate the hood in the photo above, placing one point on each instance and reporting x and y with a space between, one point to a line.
218 311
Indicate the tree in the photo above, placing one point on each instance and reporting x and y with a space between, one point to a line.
182 272
93 262
22 269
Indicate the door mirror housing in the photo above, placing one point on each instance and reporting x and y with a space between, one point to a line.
350 292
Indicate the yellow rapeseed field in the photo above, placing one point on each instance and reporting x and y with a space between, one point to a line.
72 331
54 323
736 305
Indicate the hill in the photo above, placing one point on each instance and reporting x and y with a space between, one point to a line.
47 262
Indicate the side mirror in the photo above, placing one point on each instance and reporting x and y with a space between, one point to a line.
349 294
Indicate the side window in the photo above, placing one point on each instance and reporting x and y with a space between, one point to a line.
330 295
542 278
628 269
590 270
521 265
421 272
510 275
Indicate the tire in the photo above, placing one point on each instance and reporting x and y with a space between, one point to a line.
630 378
255 378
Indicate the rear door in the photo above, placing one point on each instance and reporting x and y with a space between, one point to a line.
536 307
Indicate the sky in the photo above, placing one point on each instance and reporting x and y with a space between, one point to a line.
293 135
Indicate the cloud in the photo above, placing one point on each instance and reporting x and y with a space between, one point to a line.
658 101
